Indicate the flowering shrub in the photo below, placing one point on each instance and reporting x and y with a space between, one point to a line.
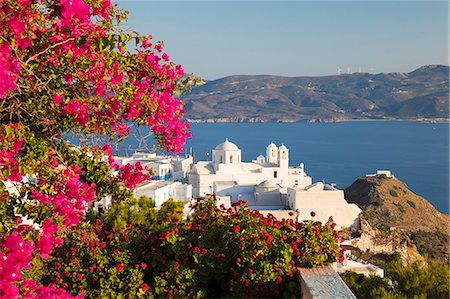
218 253
65 68
239 253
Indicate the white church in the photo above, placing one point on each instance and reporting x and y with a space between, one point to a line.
268 184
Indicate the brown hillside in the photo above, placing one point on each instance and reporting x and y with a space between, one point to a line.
389 205
389 202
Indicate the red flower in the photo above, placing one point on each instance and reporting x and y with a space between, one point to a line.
119 267
313 214
238 260
79 277
278 280
143 265
176 265
236 229
196 249
144 287
291 214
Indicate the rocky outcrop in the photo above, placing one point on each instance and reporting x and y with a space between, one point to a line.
373 242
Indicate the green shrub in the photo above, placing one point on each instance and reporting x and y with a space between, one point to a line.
393 193
412 204
412 281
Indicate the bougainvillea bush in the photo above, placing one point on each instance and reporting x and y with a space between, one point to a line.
217 253
65 69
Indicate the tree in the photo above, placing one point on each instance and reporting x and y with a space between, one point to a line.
65 69
416 280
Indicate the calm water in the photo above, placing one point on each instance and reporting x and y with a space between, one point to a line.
417 153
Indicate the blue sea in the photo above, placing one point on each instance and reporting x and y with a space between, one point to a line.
417 153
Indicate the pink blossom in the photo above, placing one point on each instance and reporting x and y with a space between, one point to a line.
47 237
6 158
120 128
9 70
57 98
79 110
16 254
132 177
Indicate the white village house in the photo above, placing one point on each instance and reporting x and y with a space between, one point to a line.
167 181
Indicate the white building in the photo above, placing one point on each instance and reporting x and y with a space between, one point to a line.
269 185
181 167
239 177
161 191
325 201
386 173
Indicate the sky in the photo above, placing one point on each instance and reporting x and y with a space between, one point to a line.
214 39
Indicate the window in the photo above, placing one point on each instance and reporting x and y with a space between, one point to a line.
231 159
275 174
221 159
284 155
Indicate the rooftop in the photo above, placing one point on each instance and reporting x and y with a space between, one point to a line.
227 146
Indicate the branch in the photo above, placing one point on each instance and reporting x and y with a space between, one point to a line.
48 48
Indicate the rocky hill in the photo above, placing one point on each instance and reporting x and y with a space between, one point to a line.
421 94
391 208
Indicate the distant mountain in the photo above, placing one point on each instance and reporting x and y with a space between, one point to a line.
421 94
391 208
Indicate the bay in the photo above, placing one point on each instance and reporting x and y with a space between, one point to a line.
417 153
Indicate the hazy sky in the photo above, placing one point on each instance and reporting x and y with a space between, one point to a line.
214 39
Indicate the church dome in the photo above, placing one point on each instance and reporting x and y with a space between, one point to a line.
227 146
272 145
268 184
282 147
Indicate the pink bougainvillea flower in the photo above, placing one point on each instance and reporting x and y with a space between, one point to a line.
9 70
57 98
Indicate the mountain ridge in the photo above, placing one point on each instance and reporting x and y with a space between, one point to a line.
418 95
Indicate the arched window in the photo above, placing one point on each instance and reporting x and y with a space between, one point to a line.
221 159
231 159
284 155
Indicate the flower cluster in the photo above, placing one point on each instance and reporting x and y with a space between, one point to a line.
9 170
72 51
132 176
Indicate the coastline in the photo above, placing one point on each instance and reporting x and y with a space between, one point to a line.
233 120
